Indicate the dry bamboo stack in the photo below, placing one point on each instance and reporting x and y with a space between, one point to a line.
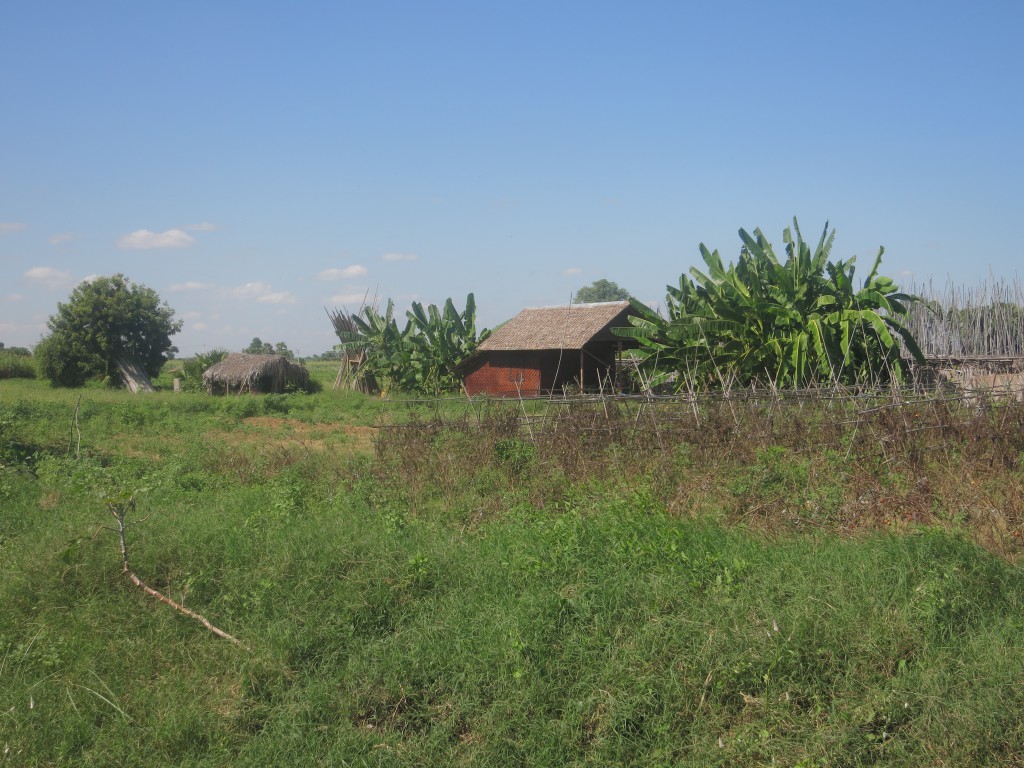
962 322
972 337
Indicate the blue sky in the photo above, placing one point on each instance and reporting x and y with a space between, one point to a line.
254 162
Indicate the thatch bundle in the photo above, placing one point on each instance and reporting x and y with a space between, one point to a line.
349 376
255 373
355 353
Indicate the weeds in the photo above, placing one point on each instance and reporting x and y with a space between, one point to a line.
801 584
16 366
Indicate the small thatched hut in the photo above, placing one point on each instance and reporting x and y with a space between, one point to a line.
258 374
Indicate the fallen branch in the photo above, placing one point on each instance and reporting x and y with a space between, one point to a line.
118 509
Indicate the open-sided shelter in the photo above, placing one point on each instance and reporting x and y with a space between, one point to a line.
258 374
548 349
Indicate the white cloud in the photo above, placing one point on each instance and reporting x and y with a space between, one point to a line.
6 227
59 238
399 257
280 297
191 285
191 315
346 299
199 326
571 271
356 270
204 227
250 290
48 276
263 293
13 297
87 279
143 239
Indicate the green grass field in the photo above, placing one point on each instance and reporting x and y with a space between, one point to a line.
458 595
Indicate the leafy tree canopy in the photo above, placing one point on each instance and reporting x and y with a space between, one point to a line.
106 320
260 347
601 290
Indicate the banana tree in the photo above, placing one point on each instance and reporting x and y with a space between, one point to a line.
790 323
441 339
420 357
381 347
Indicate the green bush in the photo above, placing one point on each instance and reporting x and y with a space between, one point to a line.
193 368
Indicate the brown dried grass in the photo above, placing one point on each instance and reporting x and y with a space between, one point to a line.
830 465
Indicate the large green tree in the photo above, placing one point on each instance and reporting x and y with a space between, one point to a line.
787 323
601 290
104 321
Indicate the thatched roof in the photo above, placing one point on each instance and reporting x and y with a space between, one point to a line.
568 327
255 373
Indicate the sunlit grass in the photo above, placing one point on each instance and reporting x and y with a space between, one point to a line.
479 603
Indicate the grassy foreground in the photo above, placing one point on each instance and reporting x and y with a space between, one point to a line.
466 598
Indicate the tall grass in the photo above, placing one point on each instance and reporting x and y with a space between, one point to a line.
15 366
471 596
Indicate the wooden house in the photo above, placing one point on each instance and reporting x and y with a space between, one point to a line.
547 350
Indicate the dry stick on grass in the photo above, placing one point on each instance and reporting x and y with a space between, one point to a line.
118 511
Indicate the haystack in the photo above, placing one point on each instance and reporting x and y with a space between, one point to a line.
258 374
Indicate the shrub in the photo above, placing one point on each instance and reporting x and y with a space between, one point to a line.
193 368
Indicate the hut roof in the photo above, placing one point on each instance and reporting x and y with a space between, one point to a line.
242 371
567 327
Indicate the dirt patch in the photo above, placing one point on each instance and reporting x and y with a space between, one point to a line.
136 453
363 436
273 430
49 500
278 423
259 432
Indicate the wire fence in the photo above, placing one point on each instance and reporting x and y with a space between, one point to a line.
823 418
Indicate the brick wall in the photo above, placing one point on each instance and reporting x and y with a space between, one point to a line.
506 374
